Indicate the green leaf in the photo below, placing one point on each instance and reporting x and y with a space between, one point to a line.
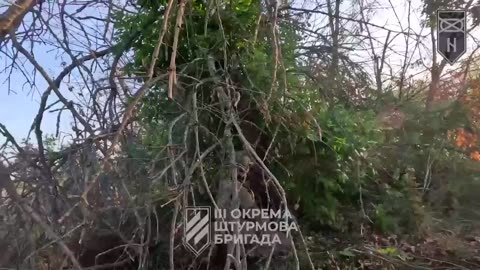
388 251
347 252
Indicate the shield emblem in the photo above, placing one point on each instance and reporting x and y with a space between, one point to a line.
452 35
197 229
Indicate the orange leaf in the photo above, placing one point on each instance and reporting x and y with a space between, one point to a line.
475 155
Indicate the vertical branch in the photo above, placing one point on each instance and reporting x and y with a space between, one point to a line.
156 51
272 7
334 24
405 56
171 252
172 81
378 61
435 69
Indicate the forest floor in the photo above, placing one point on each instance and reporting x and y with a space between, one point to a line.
442 250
